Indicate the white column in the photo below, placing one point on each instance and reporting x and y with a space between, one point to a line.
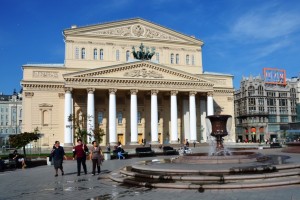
68 118
174 125
210 104
193 116
112 117
133 117
203 119
186 120
154 117
90 114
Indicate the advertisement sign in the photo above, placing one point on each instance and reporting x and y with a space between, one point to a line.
274 76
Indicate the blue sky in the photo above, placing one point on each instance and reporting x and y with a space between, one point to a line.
241 36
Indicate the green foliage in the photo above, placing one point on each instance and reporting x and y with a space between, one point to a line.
22 139
98 135
82 134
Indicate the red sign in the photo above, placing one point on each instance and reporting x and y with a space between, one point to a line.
275 76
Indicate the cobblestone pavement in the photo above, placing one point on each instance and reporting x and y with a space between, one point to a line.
40 183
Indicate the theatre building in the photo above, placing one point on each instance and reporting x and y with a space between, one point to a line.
105 83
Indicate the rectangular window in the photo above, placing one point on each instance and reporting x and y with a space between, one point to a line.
76 53
157 57
251 101
95 54
271 102
284 119
139 118
193 60
120 118
272 119
117 55
100 117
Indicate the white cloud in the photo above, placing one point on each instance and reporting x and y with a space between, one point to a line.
266 24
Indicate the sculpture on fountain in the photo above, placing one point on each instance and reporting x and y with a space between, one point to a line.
219 126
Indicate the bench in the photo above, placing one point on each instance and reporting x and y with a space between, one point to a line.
168 150
144 151
275 145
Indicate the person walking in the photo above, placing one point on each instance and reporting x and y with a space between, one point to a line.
80 153
58 154
96 156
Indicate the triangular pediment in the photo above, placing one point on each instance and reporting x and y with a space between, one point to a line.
133 29
139 70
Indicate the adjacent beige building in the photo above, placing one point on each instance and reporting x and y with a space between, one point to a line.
163 100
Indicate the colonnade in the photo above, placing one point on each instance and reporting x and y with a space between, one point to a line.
133 115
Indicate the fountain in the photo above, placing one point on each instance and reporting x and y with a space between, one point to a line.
219 126
221 170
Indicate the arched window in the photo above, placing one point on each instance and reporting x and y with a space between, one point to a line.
76 53
101 54
118 55
293 92
251 91
177 58
172 58
95 54
193 60
83 53
127 55
260 90
187 60
157 57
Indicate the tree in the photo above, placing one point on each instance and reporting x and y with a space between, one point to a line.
22 139
98 135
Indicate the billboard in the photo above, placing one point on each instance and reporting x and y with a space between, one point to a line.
274 76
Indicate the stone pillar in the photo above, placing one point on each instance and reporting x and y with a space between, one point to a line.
174 125
210 104
90 114
112 117
193 125
203 114
154 117
133 117
68 118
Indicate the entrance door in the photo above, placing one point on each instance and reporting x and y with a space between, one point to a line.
121 138
140 138
160 138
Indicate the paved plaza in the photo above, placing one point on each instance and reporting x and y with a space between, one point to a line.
40 183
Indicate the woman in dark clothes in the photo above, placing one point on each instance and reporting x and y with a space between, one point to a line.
58 154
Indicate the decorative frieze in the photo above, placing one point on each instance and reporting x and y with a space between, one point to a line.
138 31
61 95
144 73
29 94
45 74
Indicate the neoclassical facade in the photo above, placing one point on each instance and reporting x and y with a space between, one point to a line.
162 100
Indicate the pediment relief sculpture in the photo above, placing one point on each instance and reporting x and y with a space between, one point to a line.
136 30
45 105
143 73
